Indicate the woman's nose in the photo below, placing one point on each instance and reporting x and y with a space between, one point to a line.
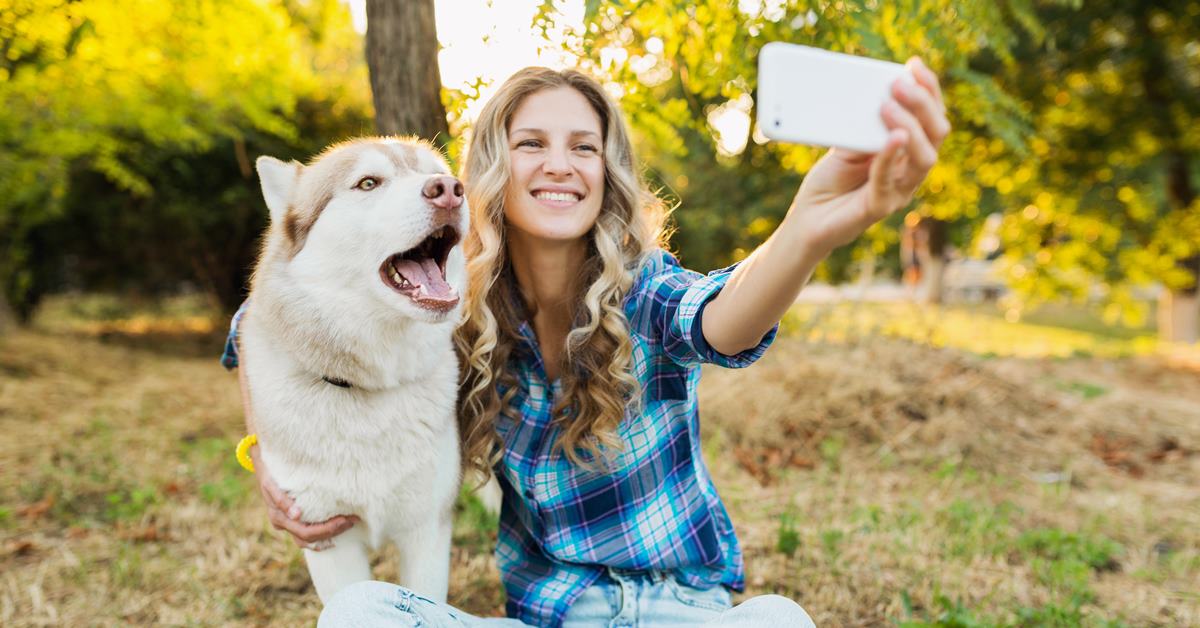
556 162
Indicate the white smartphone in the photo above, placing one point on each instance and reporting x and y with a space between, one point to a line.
812 96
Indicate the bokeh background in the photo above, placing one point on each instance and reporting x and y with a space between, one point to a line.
986 411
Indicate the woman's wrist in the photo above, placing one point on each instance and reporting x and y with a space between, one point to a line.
804 242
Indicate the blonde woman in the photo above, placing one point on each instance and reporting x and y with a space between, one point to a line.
582 345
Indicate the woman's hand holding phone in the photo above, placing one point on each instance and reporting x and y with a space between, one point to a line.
847 191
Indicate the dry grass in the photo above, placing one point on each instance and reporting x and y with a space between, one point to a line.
977 489
875 481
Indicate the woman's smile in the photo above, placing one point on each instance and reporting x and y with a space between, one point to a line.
556 162
557 197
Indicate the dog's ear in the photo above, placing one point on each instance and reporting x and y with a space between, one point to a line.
278 184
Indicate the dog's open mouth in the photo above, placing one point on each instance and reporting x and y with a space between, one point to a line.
420 272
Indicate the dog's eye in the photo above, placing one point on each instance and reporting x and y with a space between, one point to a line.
366 184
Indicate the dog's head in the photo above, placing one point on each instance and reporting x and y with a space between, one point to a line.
376 221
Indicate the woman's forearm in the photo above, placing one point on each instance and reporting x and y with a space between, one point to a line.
761 290
245 388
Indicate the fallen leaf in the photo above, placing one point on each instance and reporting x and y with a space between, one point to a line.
37 509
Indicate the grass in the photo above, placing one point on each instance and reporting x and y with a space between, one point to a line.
878 480
980 329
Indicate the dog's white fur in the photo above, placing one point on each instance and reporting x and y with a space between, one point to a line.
385 449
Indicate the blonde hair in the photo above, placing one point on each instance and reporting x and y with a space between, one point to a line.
596 369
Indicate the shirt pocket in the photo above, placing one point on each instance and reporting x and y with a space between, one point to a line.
669 386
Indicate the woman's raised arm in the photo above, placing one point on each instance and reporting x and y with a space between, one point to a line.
843 194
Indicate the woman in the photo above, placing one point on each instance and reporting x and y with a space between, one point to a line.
581 347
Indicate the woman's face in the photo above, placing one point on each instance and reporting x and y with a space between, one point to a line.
556 156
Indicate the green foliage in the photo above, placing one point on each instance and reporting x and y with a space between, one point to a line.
129 504
127 567
788 538
954 613
680 66
1114 98
222 481
226 492
1074 121
949 614
1083 389
1057 544
973 527
831 451
128 143
831 542
950 470
474 525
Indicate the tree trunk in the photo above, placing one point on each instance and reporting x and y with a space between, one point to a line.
1179 310
923 251
406 84
6 317
934 279
1179 316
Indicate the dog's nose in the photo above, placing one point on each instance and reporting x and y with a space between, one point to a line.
443 191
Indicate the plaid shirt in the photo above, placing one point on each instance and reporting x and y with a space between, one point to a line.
657 508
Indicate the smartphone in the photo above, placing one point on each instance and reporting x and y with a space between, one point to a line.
812 96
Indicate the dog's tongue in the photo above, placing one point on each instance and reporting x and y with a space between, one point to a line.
428 279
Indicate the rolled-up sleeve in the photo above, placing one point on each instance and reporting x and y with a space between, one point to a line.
669 307
229 358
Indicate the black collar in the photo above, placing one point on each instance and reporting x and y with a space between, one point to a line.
340 383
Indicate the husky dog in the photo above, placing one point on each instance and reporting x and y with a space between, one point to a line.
348 355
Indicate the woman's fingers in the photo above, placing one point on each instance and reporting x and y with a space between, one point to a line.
275 497
927 79
309 534
279 520
852 156
284 514
920 103
306 534
919 149
323 531
278 498
884 171
933 117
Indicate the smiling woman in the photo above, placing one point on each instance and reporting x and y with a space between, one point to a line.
561 266
582 343
557 170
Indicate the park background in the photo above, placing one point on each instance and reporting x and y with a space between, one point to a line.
1009 437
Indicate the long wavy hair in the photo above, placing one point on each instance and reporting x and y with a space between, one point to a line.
596 374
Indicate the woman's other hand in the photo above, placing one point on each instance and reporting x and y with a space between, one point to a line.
285 515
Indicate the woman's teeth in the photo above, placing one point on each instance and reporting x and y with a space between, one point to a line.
565 197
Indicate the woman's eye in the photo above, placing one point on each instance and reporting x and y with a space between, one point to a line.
367 184
528 144
588 147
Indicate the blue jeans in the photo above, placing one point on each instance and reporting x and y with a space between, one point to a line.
641 599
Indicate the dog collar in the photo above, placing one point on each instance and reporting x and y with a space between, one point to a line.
340 383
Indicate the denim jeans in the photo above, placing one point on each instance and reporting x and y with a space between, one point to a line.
625 599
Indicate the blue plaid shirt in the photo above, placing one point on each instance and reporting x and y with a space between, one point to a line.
656 508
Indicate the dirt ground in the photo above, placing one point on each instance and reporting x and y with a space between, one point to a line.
876 481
